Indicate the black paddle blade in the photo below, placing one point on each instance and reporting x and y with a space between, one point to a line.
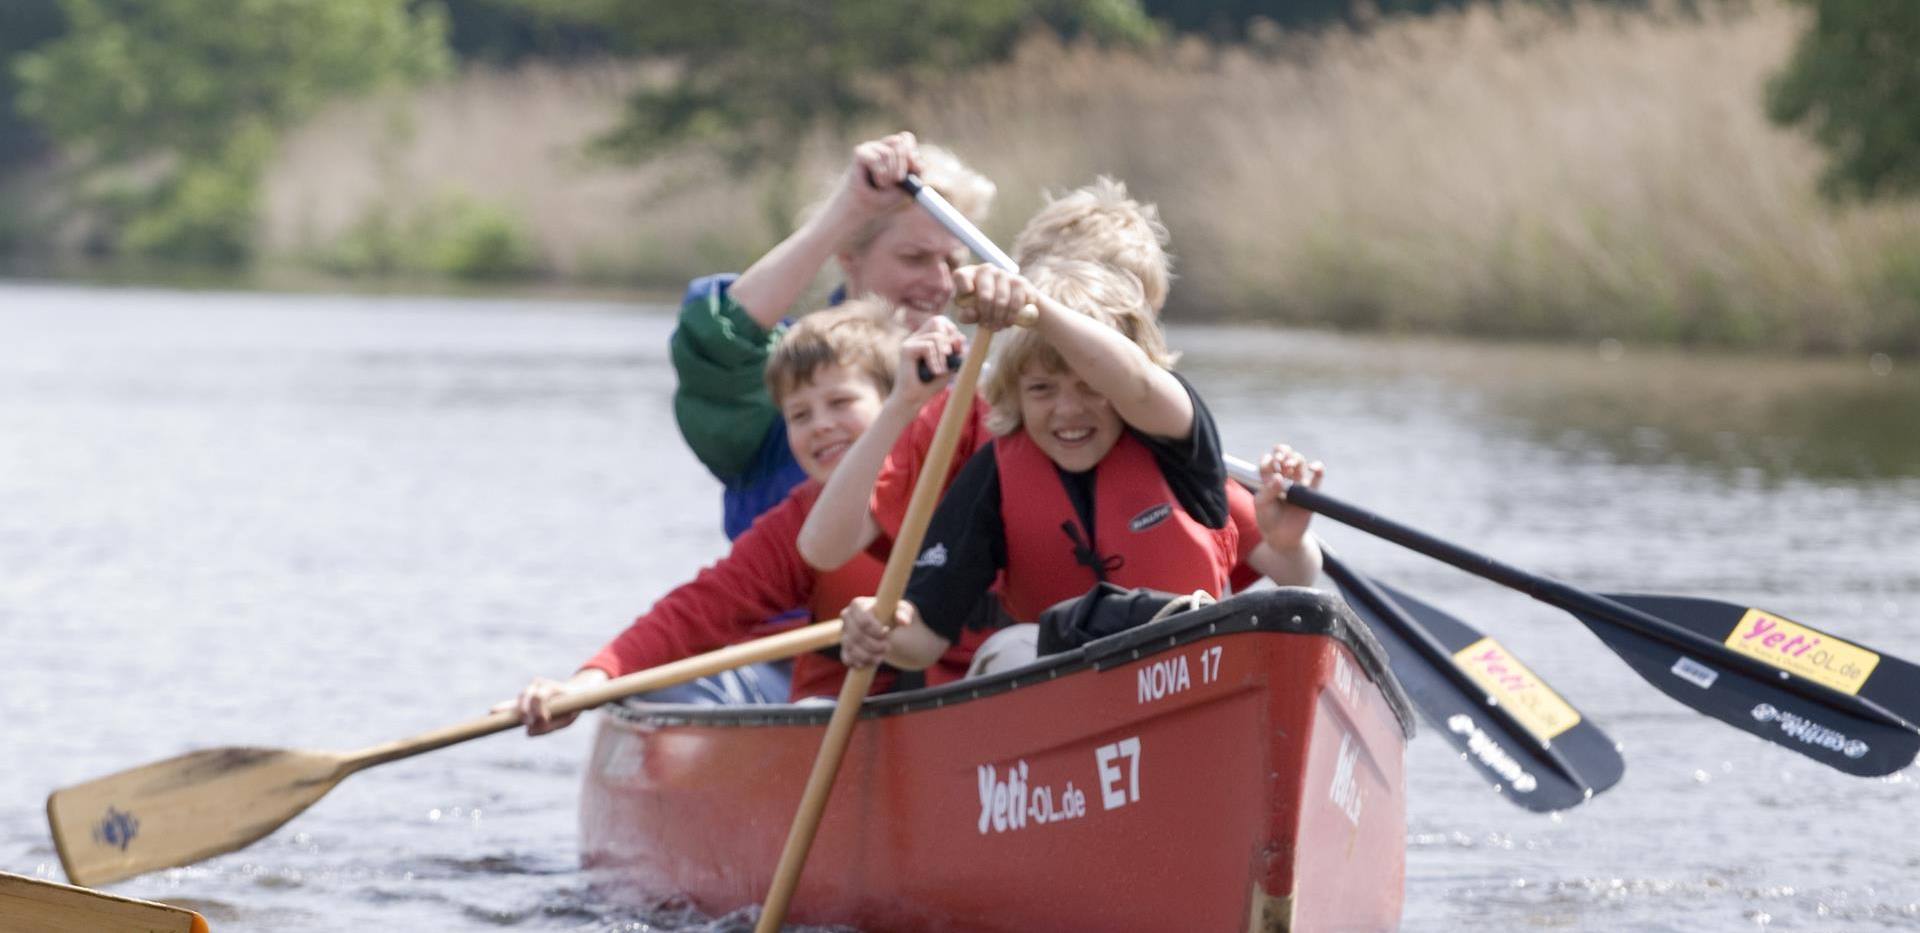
1837 729
1593 753
1542 773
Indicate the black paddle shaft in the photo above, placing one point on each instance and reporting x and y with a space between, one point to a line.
1588 605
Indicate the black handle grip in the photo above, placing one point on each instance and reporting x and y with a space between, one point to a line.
953 366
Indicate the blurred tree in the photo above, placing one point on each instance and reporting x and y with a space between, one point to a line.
173 106
1854 81
23 25
1228 20
506 32
759 75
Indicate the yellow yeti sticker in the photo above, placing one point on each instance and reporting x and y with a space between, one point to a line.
1796 649
1530 701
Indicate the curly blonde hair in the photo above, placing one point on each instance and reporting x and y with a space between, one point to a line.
1111 296
1103 223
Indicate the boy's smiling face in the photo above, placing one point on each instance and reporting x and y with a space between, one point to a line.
825 414
1074 425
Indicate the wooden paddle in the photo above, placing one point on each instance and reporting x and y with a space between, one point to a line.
202 804
1842 704
39 906
1533 746
893 581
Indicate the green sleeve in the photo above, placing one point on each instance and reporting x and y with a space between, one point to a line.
720 355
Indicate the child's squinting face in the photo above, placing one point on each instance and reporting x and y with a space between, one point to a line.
1074 425
826 414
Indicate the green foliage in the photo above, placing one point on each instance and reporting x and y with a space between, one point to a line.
454 236
191 93
23 25
757 76
1854 80
503 32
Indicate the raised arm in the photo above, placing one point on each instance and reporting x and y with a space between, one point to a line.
869 188
841 524
1146 396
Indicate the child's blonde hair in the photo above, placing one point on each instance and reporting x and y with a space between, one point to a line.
860 335
1101 222
970 193
1108 295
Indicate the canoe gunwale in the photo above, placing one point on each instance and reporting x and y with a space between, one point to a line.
1281 610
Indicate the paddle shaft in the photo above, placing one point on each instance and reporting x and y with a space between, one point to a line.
1415 634
771 648
1587 606
893 582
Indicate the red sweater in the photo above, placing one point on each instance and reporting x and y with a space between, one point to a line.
730 601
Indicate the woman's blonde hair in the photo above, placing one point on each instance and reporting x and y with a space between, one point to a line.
859 334
1103 223
1108 295
970 193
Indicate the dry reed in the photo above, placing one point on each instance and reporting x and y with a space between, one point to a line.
1498 170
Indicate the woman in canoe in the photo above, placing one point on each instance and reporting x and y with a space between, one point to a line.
1105 465
729 325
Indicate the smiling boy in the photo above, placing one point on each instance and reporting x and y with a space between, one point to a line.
828 379
1104 466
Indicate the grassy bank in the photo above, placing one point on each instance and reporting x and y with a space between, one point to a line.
1494 173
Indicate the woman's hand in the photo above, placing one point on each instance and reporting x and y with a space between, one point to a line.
871 185
991 296
1284 526
535 703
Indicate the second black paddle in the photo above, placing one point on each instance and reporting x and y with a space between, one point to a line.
1842 704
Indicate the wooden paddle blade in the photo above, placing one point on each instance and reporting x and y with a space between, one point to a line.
50 907
184 809
1825 729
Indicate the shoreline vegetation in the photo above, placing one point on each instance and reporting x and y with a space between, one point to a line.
1502 172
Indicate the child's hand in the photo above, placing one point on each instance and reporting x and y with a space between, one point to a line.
993 297
926 352
1284 526
871 185
533 704
863 640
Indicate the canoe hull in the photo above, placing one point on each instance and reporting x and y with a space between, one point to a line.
1212 774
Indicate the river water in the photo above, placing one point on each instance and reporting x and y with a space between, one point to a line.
326 522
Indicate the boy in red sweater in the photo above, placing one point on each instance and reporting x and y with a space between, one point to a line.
828 379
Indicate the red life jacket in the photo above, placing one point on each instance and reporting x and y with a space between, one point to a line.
1143 537
820 673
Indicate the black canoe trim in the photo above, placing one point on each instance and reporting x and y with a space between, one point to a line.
1284 610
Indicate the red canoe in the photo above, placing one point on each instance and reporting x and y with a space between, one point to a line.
1234 768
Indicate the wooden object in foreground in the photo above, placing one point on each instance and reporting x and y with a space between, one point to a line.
39 906
893 582
206 803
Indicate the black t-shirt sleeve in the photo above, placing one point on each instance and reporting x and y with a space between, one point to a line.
1192 465
965 547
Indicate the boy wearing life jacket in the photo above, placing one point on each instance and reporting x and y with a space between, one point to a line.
1105 465
729 325
827 378
1100 222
